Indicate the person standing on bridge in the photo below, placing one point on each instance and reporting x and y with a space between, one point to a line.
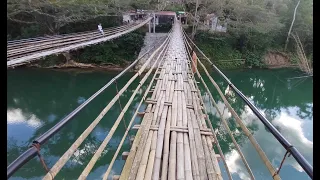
100 29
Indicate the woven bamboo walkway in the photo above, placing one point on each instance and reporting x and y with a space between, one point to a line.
173 140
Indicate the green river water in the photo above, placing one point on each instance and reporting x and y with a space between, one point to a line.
38 99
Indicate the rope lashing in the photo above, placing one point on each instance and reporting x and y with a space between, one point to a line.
283 159
37 146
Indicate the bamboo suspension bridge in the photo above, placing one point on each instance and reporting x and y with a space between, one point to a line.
175 139
20 52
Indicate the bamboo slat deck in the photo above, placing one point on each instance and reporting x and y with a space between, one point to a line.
173 141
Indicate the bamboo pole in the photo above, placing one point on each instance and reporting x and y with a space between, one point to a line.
139 154
165 163
187 155
194 159
95 157
180 152
210 171
137 141
199 146
129 126
216 165
244 128
208 161
163 136
227 128
156 169
151 159
164 172
209 142
238 120
144 161
187 158
173 141
66 156
138 157
214 159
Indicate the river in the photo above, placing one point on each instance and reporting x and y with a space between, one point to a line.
37 99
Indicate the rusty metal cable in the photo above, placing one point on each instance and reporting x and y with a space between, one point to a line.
283 159
37 146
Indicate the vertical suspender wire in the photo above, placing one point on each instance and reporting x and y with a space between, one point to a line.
131 121
66 156
253 141
213 132
117 90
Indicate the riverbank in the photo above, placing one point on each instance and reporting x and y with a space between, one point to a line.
76 65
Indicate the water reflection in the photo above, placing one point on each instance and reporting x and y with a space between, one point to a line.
34 106
288 109
32 111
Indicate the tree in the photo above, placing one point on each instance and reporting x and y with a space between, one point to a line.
294 17
56 14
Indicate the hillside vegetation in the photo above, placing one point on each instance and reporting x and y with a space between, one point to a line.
254 27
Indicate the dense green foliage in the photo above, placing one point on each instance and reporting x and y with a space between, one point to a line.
255 27
163 28
20 31
118 51
40 17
